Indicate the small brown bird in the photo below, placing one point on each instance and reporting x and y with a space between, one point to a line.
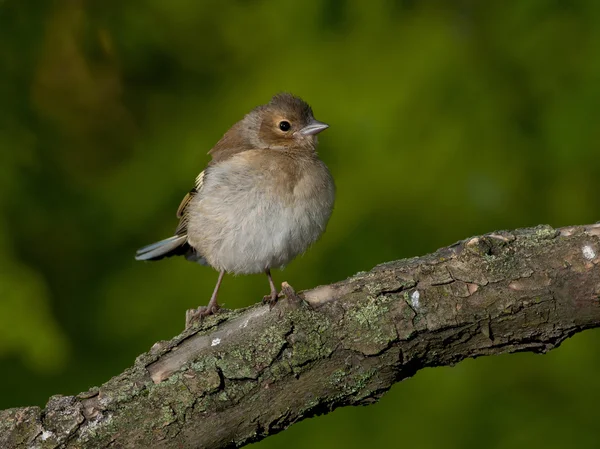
263 199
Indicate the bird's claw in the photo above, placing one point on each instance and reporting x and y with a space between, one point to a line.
194 316
286 290
271 299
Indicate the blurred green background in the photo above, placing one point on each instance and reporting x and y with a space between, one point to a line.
448 119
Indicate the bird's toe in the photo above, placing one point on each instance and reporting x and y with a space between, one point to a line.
271 298
194 316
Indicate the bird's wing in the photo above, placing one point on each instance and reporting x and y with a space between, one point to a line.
182 212
230 144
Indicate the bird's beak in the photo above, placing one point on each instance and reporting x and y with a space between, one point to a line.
314 127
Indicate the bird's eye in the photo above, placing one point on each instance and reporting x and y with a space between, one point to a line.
284 126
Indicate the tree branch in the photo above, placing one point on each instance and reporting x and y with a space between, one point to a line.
246 374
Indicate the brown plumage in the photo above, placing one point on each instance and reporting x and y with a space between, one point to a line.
263 199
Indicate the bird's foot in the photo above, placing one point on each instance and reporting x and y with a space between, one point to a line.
194 316
271 298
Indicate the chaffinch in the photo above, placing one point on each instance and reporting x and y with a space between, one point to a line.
263 199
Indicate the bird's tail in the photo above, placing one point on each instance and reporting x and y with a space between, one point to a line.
173 246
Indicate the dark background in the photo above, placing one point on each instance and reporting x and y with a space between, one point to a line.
448 119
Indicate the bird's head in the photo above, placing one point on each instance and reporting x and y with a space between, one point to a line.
286 122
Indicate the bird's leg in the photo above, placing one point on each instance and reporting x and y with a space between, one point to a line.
271 298
194 315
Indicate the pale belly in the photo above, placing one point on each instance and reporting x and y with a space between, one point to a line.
242 228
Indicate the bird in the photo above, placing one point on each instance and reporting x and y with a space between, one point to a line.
263 199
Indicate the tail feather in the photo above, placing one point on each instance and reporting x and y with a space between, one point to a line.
173 246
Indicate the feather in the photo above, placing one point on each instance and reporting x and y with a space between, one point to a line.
172 246
187 198
182 209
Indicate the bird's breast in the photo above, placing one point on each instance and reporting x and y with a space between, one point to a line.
251 217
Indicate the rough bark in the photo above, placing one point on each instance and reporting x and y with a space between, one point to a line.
246 374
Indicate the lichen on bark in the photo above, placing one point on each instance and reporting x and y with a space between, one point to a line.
243 375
